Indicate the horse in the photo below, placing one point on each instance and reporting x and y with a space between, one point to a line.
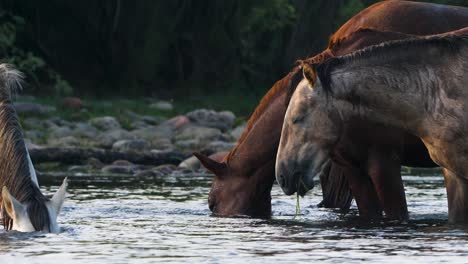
418 85
243 180
23 207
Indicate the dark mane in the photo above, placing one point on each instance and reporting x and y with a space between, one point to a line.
288 84
385 50
14 163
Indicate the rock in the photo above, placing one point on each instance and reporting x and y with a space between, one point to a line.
85 130
202 134
34 135
237 131
190 144
177 122
162 105
208 118
68 141
33 123
132 145
94 163
72 103
78 168
220 146
148 173
191 163
138 124
30 145
194 164
152 120
122 163
59 132
162 144
154 133
165 169
105 123
107 139
118 169
33 108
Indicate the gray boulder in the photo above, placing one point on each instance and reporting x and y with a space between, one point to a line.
162 105
33 108
132 145
237 131
107 139
105 123
202 134
68 141
209 118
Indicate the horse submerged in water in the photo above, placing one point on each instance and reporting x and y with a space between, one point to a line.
243 180
418 85
23 207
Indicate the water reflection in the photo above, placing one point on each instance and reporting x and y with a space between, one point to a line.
122 219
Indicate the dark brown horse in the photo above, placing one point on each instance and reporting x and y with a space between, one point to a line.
243 181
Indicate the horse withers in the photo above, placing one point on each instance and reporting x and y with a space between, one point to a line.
417 85
23 207
243 180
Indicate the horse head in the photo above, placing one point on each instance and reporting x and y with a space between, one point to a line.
26 216
233 193
306 136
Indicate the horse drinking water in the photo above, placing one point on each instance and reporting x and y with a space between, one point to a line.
23 207
243 180
418 85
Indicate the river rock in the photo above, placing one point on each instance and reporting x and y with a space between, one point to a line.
154 133
118 169
85 130
94 163
152 120
148 173
68 141
237 131
105 123
202 134
220 146
122 163
34 135
209 118
194 164
60 132
132 145
29 108
165 169
177 122
33 123
162 105
107 139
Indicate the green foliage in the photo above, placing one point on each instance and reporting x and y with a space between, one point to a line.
38 72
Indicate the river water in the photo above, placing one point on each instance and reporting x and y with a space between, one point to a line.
119 219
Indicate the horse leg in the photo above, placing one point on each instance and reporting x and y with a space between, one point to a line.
363 192
457 187
383 167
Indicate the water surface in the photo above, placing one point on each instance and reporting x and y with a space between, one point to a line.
146 220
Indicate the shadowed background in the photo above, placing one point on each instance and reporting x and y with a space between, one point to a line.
214 50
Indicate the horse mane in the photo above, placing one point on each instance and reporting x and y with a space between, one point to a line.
451 42
14 163
287 84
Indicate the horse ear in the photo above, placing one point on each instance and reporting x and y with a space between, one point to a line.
217 168
59 197
309 73
13 207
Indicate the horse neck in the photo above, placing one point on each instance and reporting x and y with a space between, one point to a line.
407 96
260 144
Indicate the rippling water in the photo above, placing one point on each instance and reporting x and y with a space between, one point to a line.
124 219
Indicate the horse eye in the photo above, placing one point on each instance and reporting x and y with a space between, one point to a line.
297 119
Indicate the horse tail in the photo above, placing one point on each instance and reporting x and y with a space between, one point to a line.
10 81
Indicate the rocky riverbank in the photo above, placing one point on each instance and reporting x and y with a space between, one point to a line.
106 144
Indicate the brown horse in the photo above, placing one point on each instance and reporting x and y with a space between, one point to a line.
417 85
243 181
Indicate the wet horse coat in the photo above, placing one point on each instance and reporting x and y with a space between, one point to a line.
243 181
